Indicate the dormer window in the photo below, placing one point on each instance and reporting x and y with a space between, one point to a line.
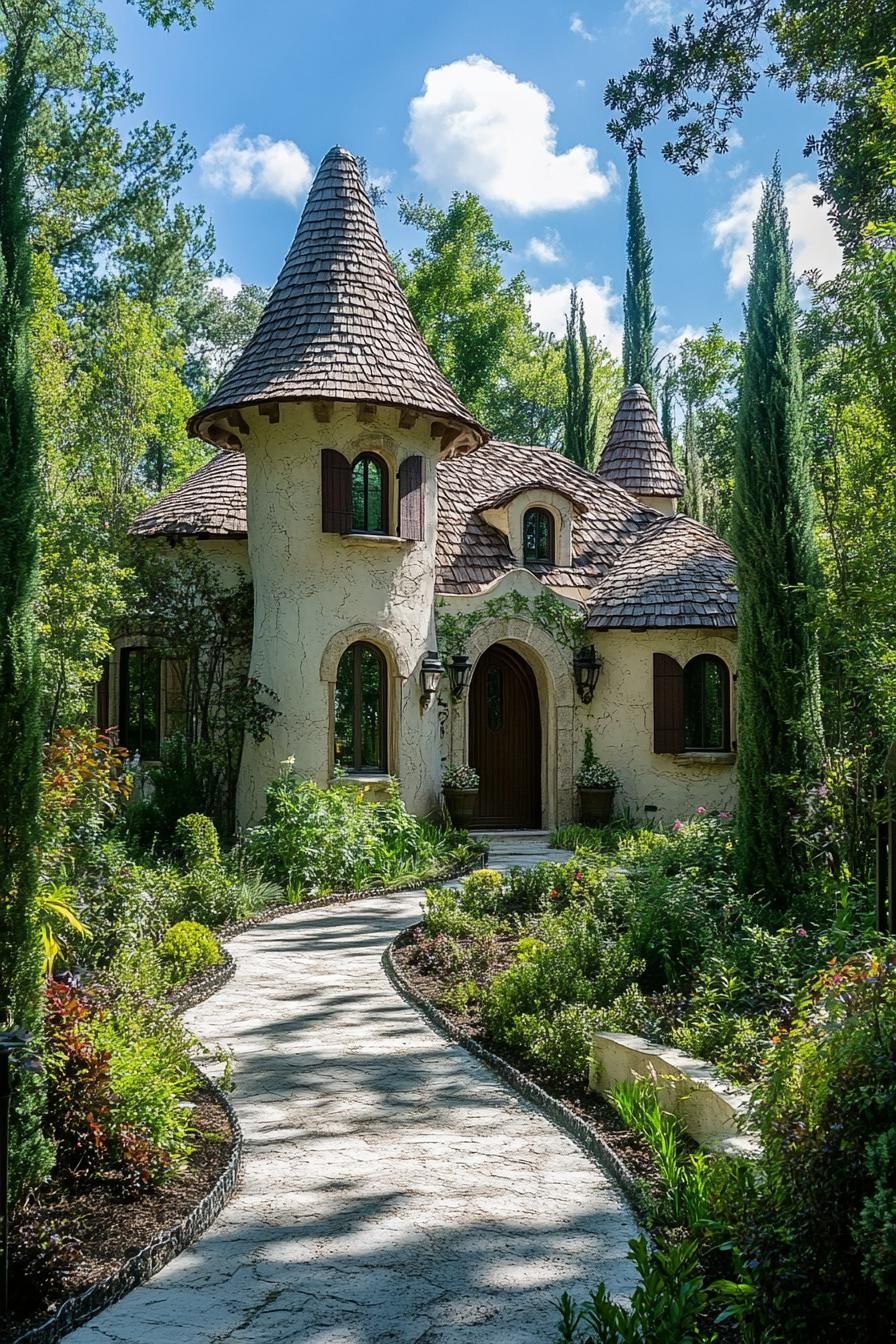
538 537
370 493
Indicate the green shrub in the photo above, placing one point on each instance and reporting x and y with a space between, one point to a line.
444 913
824 1108
187 948
459 997
481 892
318 840
196 840
122 902
666 1306
139 969
208 894
177 790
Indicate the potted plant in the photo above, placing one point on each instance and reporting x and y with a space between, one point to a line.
597 783
460 784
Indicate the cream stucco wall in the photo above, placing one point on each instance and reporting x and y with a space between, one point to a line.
654 787
315 592
621 719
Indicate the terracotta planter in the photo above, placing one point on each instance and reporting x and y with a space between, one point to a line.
596 806
461 803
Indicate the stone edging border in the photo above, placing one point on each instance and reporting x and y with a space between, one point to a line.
563 1116
164 1246
228 931
197 991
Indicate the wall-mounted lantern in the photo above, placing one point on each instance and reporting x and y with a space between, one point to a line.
458 674
431 670
586 668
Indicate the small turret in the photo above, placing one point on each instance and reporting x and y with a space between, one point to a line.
637 457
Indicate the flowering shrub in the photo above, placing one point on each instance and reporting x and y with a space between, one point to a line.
460 777
85 788
593 774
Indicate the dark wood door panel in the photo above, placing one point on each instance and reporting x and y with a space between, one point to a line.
505 740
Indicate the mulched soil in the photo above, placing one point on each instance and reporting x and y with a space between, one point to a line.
597 1113
104 1230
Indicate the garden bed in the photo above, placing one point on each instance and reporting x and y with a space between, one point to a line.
117 1244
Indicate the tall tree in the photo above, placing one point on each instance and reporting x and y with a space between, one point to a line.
580 416
705 380
779 729
638 352
20 729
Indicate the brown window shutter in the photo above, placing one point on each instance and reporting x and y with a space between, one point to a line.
668 705
410 499
336 491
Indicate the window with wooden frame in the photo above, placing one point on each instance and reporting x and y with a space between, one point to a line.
370 494
691 705
361 709
538 537
707 700
140 701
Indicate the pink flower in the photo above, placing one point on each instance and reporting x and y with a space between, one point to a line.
701 811
677 826
724 816
800 931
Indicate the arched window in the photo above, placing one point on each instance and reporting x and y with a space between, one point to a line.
538 537
370 511
360 710
707 705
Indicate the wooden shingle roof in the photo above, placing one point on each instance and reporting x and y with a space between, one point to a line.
470 554
337 326
210 503
675 574
636 456
634 568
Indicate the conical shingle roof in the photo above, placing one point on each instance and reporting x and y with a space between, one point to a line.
636 456
337 326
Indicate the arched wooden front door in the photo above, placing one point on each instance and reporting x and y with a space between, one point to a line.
505 741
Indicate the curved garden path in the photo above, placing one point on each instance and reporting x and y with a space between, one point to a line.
393 1189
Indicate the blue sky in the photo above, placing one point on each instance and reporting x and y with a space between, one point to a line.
503 97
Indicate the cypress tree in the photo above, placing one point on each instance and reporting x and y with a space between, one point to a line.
20 733
580 411
779 726
639 314
666 409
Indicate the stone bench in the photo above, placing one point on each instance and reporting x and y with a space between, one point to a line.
711 1110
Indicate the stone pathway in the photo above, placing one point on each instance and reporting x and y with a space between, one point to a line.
393 1189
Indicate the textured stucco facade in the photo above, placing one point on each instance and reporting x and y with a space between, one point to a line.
316 592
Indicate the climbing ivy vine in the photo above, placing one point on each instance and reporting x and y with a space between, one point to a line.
562 622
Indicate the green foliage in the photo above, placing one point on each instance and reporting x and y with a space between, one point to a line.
779 729
187 948
592 773
209 893
317 840
560 619
704 71
703 377
822 1233
638 350
666 1306
196 840
476 322
580 414
20 740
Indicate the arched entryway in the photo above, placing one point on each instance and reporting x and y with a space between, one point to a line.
505 740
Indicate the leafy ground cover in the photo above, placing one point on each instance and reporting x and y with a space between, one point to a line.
645 931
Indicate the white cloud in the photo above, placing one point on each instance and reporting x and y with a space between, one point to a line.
581 83
577 26
477 127
228 285
259 166
814 244
602 310
381 181
548 250
659 13
735 139
670 342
